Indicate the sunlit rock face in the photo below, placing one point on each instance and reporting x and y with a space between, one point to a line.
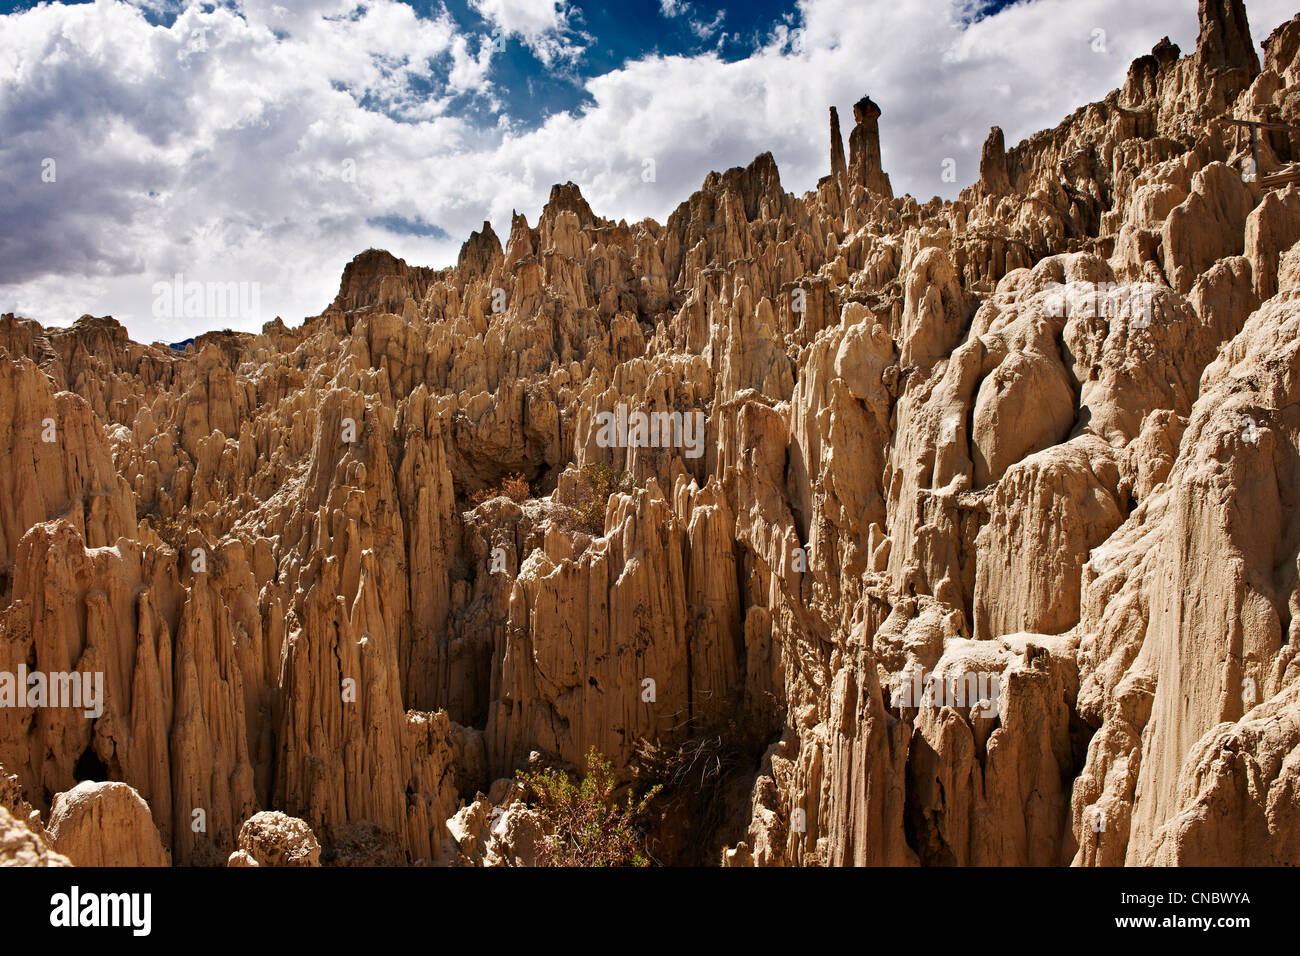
957 533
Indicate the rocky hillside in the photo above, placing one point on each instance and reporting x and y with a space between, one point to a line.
988 551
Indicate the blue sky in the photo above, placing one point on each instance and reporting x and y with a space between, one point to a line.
268 142
610 35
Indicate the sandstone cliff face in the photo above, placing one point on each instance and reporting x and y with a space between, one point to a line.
984 552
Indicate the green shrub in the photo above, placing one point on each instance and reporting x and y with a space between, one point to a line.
585 825
172 531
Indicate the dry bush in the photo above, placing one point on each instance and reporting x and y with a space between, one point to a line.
698 777
515 487
589 495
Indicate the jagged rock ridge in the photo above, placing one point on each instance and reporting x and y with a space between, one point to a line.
1041 439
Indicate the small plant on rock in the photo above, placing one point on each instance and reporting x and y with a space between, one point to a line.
171 530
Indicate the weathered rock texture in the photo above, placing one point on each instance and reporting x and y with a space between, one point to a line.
990 553
105 824
21 846
271 838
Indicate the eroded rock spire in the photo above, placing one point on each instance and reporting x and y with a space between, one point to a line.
839 168
864 150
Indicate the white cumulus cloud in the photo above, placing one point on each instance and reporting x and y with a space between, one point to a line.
269 143
545 26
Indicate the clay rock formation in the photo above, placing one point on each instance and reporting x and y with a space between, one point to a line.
865 169
271 838
20 846
951 533
498 829
106 824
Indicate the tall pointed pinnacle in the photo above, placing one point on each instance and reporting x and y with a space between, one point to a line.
1224 39
864 150
993 164
839 169
480 251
